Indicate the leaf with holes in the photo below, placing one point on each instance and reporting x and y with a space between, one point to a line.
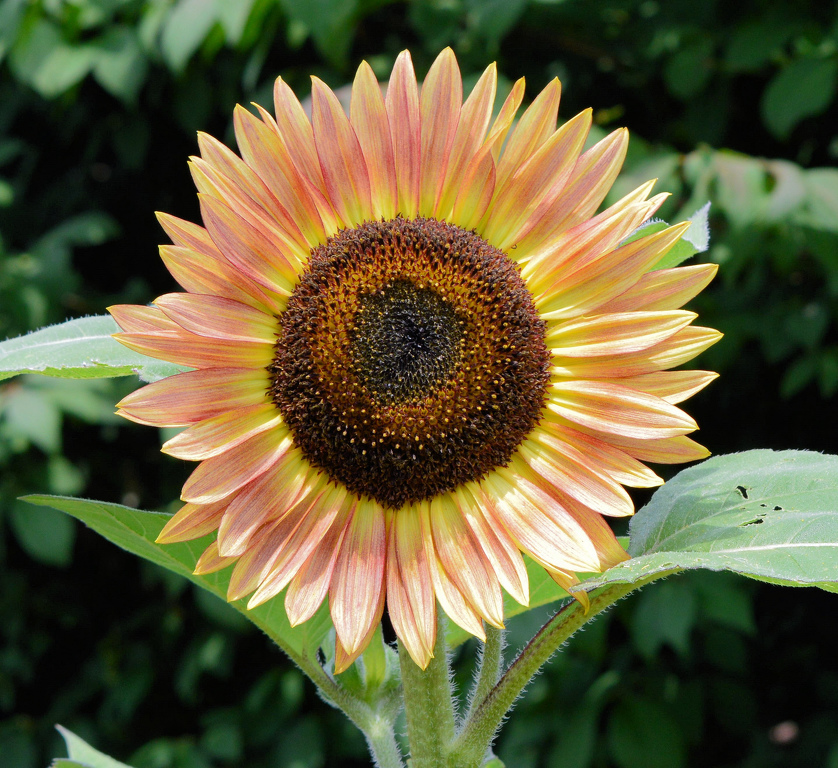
769 515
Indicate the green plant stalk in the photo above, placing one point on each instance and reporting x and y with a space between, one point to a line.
489 670
480 728
429 705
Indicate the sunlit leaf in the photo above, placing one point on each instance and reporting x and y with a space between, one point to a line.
770 515
81 753
79 349
135 530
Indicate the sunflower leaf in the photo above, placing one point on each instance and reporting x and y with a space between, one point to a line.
136 530
79 349
768 515
81 753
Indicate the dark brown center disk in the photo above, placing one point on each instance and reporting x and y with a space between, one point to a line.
410 359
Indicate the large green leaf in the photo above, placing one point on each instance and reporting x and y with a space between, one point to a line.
770 515
79 349
136 531
80 753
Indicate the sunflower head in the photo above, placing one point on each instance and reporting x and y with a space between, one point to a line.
419 352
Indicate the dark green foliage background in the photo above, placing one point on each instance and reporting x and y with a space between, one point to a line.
99 104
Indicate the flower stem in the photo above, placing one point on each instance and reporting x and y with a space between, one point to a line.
490 666
478 732
428 705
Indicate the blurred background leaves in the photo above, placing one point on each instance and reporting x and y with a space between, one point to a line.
99 103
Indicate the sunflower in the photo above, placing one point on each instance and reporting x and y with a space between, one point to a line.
419 353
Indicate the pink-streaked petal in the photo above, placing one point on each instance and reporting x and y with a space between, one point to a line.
568 470
439 110
677 349
536 521
456 606
258 253
402 103
663 289
471 130
611 408
215 276
569 292
615 334
357 582
191 521
219 433
535 126
190 397
536 184
210 561
476 192
343 658
589 182
295 128
188 235
268 497
503 122
228 164
463 561
308 588
283 546
605 457
264 150
411 602
134 318
499 548
220 476
217 317
672 386
368 116
194 351
668 450
599 532
341 158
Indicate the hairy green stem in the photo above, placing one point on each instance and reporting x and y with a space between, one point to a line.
478 732
429 705
489 670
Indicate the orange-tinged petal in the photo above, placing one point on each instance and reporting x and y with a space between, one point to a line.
535 126
612 408
210 561
498 547
217 317
344 169
471 130
215 276
402 103
669 450
258 253
217 434
191 521
537 522
309 587
190 397
411 602
536 184
238 172
503 122
475 195
357 582
615 334
663 289
268 497
283 546
186 348
368 116
343 658
672 386
677 349
599 532
134 318
568 470
187 235
218 477
265 152
439 110
296 130
462 560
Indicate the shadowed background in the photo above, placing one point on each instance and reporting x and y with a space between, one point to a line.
99 104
